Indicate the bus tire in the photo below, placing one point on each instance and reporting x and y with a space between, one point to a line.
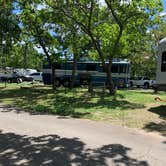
66 83
57 83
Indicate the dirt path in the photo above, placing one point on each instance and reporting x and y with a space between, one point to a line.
27 139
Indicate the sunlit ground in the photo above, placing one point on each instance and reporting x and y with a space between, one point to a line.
133 108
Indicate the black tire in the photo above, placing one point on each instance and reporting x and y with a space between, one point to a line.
131 84
146 85
19 80
57 83
66 83
155 88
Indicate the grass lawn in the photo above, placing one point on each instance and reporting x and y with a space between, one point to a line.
132 108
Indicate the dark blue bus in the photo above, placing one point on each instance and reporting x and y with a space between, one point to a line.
86 72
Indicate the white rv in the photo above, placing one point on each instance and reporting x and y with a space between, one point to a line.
161 66
6 73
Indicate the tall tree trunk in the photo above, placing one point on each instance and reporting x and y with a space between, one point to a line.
43 45
74 70
25 55
107 69
111 85
53 77
75 52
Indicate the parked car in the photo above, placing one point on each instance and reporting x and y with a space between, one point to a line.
143 81
37 76
27 78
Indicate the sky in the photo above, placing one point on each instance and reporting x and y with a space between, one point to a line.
164 5
101 1
164 2
164 12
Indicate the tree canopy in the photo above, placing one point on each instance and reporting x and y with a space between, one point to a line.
102 31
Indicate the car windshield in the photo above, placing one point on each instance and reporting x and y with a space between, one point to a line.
138 78
35 74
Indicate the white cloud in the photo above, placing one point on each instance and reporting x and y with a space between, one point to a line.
163 14
122 2
41 6
102 2
39 49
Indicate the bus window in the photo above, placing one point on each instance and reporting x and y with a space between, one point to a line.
58 66
91 67
163 62
99 67
46 65
81 66
122 68
68 66
114 68
128 68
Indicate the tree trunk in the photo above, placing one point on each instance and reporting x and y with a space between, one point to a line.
111 85
43 45
74 71
75 52
25 55
53 77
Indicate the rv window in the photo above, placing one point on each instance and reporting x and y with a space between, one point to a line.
163 62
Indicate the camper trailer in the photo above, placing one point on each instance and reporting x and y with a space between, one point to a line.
161 66
6 73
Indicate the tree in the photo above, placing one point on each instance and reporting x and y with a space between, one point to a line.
111 27
38 25
9 30
18 59
145 52
74 40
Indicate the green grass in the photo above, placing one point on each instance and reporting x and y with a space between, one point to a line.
133 108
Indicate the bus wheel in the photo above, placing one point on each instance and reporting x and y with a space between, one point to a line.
57 83
66 83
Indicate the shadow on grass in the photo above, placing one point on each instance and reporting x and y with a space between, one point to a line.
54 150
143 91
64 102
100 102
160 110
160 126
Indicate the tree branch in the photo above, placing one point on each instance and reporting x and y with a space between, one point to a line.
109 4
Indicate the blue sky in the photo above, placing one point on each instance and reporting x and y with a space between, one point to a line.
164 12
164 5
